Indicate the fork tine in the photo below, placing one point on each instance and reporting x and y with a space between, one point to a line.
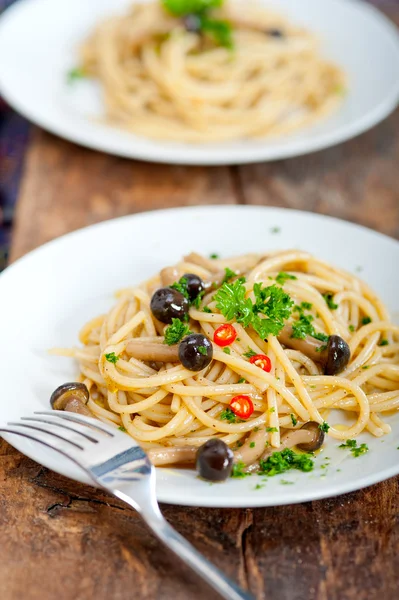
42 430
88 421
62 425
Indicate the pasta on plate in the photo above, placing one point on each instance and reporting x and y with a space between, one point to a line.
209 71
261 351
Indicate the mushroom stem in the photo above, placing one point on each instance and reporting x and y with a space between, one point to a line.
169 275
152 351
77 406
170 456
314 349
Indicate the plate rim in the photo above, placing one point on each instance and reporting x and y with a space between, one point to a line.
252 500
205 155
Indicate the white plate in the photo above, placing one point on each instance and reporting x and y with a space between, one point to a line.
38 42
49 294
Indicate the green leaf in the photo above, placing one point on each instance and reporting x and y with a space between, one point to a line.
228 415
176 332
366 320
294 420
181 286
206 310
221 31
330 302
324 427
238 470
112 358
229 274
203 350
180 8
283 277
249 353
230 300
75 74
227 350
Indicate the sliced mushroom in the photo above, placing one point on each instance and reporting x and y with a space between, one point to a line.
71 397
333 356
169 456
152 351
169 275
317 440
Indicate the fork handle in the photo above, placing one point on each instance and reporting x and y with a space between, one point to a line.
186 552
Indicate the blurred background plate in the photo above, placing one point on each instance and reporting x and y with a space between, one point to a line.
38 45
72 279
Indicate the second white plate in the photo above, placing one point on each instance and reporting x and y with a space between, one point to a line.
39 39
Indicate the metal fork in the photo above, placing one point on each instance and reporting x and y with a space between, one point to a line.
117 464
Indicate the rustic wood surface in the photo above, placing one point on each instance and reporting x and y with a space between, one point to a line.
63 540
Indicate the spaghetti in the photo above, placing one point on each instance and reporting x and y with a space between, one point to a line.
138 382
162 79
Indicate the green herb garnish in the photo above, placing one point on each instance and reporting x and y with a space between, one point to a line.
280 462
229 274
294 420
252 445
354 448
206 310
275 230
366 320
176 332
227 350
324 427
286 482
351 328
121 428
242 380
283 277
238 470
271 429
214 256
383 343
228 415
330 302
112 358
303 327
249 353
203 350
181 286
74 74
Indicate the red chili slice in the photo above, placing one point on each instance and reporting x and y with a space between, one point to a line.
224 335
262 361
242 406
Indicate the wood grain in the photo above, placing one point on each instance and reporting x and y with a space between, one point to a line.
63 540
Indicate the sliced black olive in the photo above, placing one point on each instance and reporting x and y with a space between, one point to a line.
167 304
192 23
214 460
67 392
338 355
318 438
195 352
195 285
274 32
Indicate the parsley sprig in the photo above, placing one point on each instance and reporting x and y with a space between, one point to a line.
283 277
271 302
176 332
112 358
218 29
280 462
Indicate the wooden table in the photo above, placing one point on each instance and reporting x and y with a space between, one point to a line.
64 540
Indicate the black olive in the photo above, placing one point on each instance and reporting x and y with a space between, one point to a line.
194 285
317 440
67 392
338 355
192 23
277 33
214 460
167 304
195 352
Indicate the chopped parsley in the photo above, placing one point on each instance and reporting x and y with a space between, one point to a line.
351 328
383 343
364 367
197 301
75 74
294 420
121 428
229 274
324 427
112 358
220 30
283 277
242 380
272 409
275 230
259 486
286 482
303 327
280 462
176 332
366 320
206 310
238 470
354 448
252 445
227 350
228 415
271 429
181 286
330 301
306 305
249 353
214 256
203 350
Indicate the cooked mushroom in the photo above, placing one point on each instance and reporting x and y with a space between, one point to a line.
71 397
152 351
169 275
317 437
333 356
170 456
